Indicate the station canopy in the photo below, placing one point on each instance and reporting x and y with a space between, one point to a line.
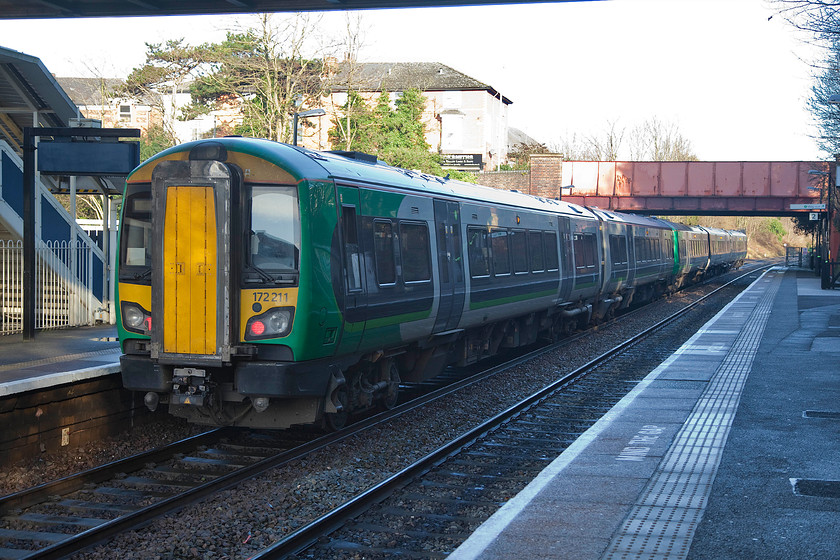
31 97
36 9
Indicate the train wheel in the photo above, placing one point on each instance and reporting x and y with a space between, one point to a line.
390 374
334 421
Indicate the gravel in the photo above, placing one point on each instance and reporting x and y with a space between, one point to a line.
57 464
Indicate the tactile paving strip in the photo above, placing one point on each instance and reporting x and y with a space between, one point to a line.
664 519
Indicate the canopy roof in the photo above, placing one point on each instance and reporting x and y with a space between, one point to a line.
36 9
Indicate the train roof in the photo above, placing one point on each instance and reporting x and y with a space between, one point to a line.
633 219
682 227
305 164
716 231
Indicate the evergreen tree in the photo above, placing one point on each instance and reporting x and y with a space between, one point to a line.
395 135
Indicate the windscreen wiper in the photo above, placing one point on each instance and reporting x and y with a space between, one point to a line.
265 276
143 275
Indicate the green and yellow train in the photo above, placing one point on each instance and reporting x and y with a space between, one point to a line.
266 285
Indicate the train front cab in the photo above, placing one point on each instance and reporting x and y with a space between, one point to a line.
208 327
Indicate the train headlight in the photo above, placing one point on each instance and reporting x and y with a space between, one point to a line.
274 323
135 318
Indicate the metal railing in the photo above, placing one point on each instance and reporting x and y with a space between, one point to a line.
63 270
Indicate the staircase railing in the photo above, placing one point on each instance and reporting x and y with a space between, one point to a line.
71 284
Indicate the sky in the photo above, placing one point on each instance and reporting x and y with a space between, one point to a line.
733 80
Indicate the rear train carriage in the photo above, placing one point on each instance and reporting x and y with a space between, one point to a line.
720 249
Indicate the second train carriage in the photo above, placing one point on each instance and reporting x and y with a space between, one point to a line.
267 285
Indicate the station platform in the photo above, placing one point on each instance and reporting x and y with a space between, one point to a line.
57 357
730 449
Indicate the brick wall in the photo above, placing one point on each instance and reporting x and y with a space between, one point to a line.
506 180
546 175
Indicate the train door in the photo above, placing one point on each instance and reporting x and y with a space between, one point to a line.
631 269
353 266
567 276
450 265
191 252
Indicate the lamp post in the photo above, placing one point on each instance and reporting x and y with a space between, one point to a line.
303 114
824 233
832 100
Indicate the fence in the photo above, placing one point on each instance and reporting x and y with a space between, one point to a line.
63 269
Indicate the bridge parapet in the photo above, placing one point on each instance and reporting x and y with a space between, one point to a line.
683 187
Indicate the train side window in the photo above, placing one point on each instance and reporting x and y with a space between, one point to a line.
519 251
639 245
552 260
478 252
136 236
618 248
585 251
383 249
501 252
535 251
414 248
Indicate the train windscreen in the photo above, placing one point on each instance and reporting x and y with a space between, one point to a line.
274 220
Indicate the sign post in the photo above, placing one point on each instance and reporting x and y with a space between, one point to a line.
86 158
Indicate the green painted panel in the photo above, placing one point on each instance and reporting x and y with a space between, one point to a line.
381 204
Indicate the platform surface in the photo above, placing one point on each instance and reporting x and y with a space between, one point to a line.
730 449
56 357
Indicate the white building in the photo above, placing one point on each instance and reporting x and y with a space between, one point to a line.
466 120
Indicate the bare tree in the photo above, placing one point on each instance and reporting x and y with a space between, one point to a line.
601 146
819 17
655 140
821 20
569 147
347 78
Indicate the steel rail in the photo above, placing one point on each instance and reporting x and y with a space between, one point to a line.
71 483
307 535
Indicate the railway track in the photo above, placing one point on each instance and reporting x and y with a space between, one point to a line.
112 499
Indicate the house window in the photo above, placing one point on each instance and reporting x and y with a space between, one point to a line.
452 100
452 132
